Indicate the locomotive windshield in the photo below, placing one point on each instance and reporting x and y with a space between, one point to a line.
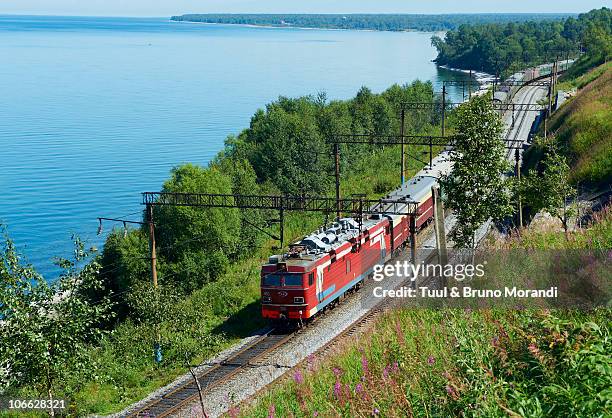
272 280
293 279
286 279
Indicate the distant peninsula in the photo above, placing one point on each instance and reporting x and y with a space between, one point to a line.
378 22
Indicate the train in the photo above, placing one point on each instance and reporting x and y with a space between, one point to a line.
323 267
507 89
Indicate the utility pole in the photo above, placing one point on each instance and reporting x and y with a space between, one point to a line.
151 225
470 86
550 93
443 109
439 226
149 222
281 226
152 245
403 157
550 90
157 346
337 160
517 157
413 244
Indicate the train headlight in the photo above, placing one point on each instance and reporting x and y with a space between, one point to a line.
298 300
267 299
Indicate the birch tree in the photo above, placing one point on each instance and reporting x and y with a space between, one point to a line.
476 190
46 326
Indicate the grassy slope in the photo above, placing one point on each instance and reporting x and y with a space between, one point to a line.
453 362
583 126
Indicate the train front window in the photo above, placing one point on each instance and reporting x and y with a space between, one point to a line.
272 280
293 279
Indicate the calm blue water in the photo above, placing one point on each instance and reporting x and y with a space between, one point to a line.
96 110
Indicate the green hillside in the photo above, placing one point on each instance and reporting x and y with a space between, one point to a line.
583 127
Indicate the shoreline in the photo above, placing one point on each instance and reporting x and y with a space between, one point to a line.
251 25
480 76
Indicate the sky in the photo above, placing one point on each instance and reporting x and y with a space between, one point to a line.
177 7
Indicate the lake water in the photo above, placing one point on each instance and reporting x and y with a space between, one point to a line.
95 111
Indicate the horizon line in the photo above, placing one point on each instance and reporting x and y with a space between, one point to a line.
293 13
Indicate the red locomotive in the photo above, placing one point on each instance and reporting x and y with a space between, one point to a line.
321 268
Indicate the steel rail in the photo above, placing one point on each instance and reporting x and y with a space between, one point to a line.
185 393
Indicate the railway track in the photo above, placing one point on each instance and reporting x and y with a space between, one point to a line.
516 130
176 398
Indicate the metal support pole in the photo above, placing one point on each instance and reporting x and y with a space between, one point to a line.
337 161
413 244
443 109
282 227
556 69
157 351
470 85
439 226
517 157
430 154
550 93
152 245
494 87
513 118
403 157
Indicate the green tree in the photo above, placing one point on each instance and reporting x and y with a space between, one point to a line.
47 327
244 181
598 42
125 262
476 189
196 244
287 147
550 188
507 47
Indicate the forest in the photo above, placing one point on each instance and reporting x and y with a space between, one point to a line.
381 22
504 48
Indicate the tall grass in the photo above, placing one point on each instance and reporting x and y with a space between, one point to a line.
583 127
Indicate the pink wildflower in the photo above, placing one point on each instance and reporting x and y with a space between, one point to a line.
364 364
310 360
495 341
299 379
452 392
338 390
